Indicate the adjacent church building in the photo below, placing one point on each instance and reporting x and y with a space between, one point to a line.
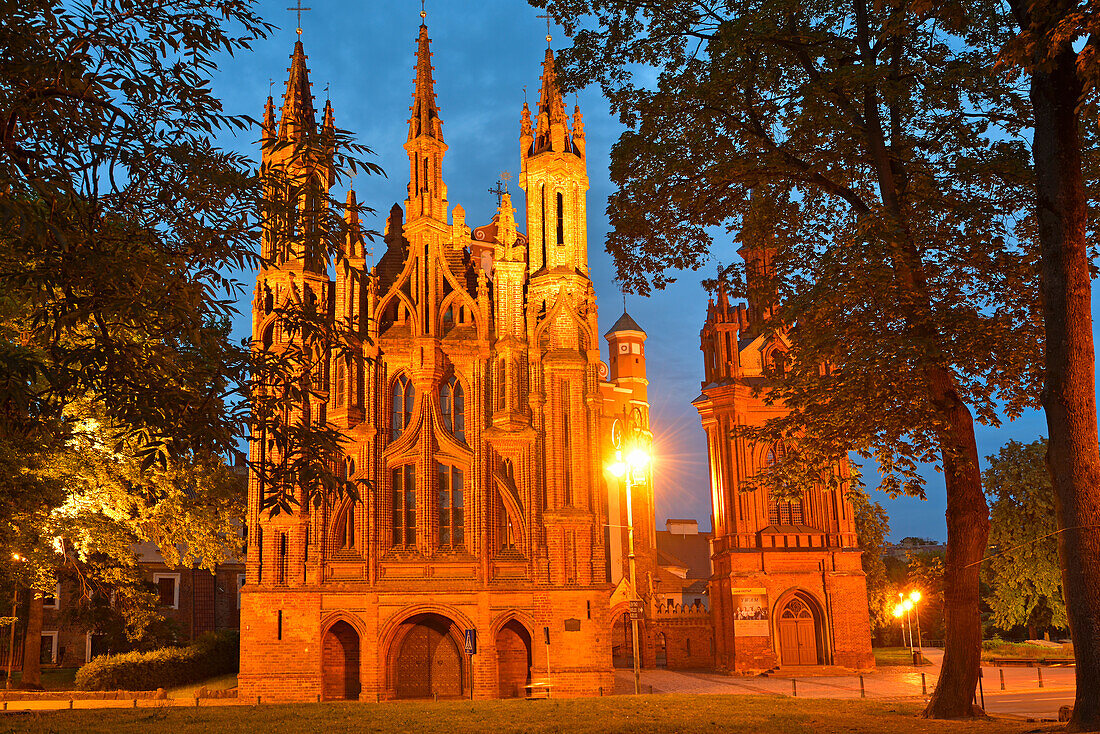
488 557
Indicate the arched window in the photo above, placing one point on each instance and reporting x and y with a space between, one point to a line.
453 406
404 505
451 506
448 319
561 219
782 512
345 528
404 394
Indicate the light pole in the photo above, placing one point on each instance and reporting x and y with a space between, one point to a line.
914 596
632 471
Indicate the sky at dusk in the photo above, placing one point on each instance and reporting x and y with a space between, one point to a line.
485 53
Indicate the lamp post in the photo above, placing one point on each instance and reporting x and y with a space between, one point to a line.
632 471
915 597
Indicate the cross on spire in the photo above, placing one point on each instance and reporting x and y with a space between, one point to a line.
299 9
548 36
500 190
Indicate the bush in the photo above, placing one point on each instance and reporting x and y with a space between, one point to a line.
215 653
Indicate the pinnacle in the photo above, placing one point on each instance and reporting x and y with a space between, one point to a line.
425 112
298 114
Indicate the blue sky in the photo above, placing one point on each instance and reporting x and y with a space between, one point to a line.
485 53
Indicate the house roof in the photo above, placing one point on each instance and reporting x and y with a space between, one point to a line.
692 550
625 323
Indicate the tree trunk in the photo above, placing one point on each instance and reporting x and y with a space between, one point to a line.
967 533
1069 392
32 644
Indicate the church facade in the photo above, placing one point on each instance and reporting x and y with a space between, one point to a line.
788 587
477 407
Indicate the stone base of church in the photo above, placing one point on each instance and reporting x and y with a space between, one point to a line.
790 608
346 643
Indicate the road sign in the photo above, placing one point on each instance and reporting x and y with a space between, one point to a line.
637 608
471 642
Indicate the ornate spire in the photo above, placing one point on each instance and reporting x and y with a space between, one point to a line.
269 118
354 243
298 115
552 122
425 113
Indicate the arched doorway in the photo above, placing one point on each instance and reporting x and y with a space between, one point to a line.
340 663
427 662
513 643
622 642
799 632
662 650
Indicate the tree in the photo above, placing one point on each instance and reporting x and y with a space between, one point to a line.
872 527
1024 574
1056 48
865 150
121 226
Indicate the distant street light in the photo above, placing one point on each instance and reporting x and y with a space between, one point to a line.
915 597
633 469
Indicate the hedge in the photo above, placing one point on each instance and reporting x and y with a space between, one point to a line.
213 654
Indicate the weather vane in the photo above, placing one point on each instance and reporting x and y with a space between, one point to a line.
300 9
548 37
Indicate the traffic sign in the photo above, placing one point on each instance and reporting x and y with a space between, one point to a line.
471 642
637 608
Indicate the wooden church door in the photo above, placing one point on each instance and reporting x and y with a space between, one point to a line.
429 664
797 634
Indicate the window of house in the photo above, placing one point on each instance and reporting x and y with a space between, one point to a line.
403 396
451 506
452 403
404 505
339 388
168 589
240 585
48 654
52 600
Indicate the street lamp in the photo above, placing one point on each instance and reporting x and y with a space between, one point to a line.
915 597
631 469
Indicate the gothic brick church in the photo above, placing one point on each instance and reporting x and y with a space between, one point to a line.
478 411
475 407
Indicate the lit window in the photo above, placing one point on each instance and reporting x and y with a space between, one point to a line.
451 506
404 394
453 405
404 505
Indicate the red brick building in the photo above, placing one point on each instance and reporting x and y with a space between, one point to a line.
788 588
472 406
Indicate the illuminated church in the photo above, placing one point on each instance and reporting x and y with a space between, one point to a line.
477 407
488 558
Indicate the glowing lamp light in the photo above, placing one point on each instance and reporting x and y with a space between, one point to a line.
899 610
637 459
907 604
617 467
914 597
17 557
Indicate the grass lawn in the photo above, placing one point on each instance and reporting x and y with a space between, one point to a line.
53 679
1023 650
892 656
213 684
634 714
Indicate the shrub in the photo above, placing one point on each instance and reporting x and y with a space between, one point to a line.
215 653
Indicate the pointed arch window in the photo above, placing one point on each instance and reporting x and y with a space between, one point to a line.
404 395
452 401
561 219
404 505
345 528
782 512
451 507
339 380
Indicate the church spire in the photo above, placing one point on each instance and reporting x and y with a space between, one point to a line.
553 130
298 116
425 146
425 113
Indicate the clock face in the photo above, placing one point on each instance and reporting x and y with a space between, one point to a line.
624 349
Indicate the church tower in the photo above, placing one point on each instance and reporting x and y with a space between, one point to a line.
297 167
788 586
